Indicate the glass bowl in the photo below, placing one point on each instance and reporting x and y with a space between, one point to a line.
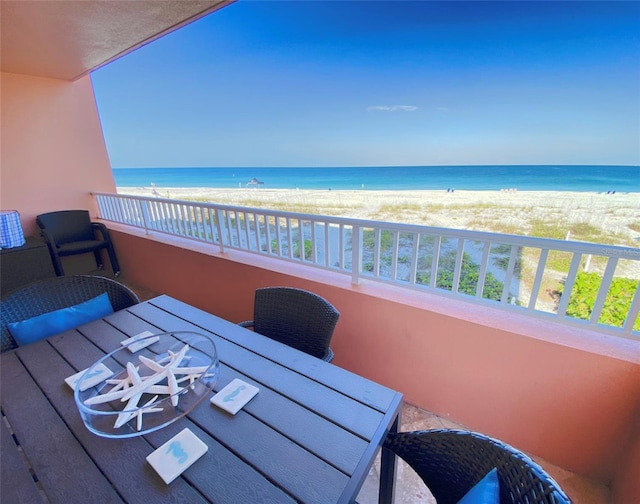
151 387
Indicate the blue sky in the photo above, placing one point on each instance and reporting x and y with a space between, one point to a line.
373 83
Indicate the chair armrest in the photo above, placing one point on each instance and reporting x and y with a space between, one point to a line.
246 323
99 226
48 237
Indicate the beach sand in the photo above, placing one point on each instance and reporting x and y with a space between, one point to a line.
615 216
506 211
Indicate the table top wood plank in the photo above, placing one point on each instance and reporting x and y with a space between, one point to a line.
107 333
55 455
274 455
220 474
78 351
325 439
16 483
313 395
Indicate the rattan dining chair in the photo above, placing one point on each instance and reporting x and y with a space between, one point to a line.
295 317
451 462
52 294
71 232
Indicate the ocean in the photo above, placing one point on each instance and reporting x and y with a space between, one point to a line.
396 178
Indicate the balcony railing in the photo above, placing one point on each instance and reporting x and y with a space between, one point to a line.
577 283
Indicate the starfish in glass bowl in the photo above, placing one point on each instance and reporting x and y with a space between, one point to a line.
132 387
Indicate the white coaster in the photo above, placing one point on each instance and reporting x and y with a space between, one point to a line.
134 347
234 396
177 455
100 373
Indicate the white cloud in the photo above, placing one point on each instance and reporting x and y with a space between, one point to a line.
392 108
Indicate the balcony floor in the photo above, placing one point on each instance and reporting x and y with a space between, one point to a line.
409 487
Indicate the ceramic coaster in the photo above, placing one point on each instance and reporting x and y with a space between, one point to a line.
99 374
134 347
176 455
234 396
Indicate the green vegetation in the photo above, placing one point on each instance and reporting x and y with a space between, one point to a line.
469 276
616 305
308 249
369 239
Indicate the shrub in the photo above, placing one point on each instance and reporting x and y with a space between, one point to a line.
616 305
308 249
469 276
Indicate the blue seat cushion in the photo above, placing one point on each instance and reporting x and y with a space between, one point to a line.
54 322
486 491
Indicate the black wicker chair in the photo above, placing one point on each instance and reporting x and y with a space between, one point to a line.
52 294
71 232
295 317
451 462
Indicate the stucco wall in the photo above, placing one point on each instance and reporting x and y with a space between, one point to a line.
525 382
53 150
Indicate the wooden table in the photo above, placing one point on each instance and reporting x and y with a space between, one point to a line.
310 435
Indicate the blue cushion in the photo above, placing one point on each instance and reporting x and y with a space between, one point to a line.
48 324
486 491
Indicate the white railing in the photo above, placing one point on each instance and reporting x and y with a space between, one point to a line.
518 273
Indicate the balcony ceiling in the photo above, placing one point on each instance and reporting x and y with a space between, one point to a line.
67 39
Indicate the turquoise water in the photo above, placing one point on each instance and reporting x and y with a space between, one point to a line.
476 178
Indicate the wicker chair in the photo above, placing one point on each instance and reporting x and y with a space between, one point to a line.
71 232
295 317
451 462
55 293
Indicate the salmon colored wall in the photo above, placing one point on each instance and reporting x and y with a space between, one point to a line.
573 407
53 150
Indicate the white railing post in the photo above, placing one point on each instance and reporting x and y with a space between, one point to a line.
633 312
603 291
144 211
220 227
356 254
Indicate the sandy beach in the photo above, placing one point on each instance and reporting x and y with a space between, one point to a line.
616 217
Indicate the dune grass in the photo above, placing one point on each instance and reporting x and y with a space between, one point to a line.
286 205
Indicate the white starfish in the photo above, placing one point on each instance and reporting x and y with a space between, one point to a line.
134 399
116 392
161 389
103 398
161 373
142 411
192 377
177 369
121 383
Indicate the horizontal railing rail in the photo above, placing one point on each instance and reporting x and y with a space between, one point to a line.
584 284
